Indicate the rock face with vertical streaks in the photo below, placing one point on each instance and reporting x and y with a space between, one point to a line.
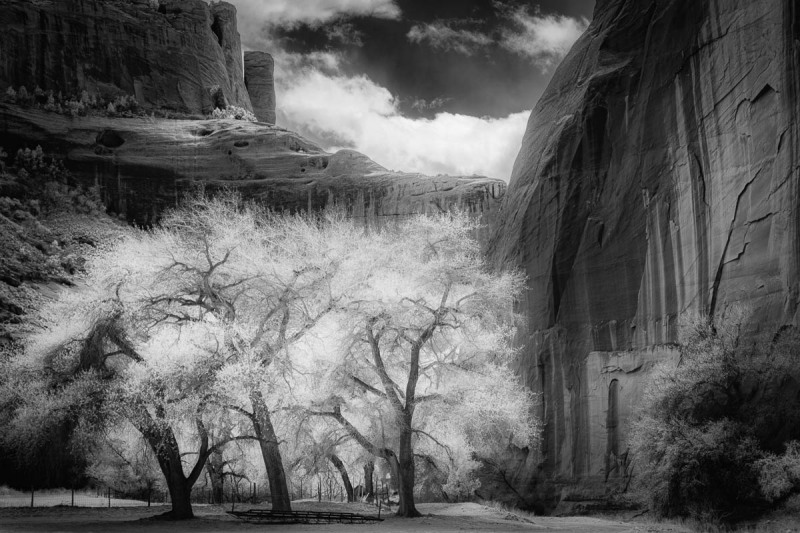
169 56
259 78
658 174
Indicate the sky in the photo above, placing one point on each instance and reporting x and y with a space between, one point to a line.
430 86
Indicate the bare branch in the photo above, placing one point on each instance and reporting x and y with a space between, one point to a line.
369 388
388 384
336 414
443 446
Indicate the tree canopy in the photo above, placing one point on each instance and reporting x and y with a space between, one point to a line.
231 323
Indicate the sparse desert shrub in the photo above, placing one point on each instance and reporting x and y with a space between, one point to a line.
706 439
44 185
23 97
234 112
123 105
779 475
85 103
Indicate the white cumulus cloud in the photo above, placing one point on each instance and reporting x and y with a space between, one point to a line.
316 99
545 39
337 111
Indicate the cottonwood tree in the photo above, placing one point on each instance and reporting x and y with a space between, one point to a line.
424 373
104 362
123 460
318 448
269 279
189 324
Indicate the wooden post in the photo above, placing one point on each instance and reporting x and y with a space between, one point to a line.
73 497
31 497
148 496
109 497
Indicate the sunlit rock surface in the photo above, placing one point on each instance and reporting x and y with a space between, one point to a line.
144 164
259 69
658 174
168 57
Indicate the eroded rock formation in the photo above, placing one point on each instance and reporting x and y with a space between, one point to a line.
143 164
658 174
259 71
168 57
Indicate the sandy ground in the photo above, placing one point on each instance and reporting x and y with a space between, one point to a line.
438 518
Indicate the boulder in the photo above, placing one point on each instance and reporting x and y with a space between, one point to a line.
169 56
259 78
658 175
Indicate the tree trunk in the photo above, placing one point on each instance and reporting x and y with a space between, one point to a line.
268 441
369 485
405 471
348 487
165 447
181 493
214 468
180 490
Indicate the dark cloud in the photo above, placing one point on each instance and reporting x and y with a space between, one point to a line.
484 56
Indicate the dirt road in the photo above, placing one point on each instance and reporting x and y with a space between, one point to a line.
439 518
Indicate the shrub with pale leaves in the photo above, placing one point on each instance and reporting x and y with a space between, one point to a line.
233 112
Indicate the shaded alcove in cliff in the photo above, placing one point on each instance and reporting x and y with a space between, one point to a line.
216 28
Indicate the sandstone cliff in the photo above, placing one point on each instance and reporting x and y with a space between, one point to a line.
259 69
658 174
143 164
168 57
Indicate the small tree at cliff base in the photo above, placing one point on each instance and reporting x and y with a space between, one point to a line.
423 375
710 438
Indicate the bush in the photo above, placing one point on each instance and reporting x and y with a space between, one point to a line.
779 475
705 441
121 105
44 184
235 113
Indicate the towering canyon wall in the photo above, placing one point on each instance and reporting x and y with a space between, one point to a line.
169 55
658 174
